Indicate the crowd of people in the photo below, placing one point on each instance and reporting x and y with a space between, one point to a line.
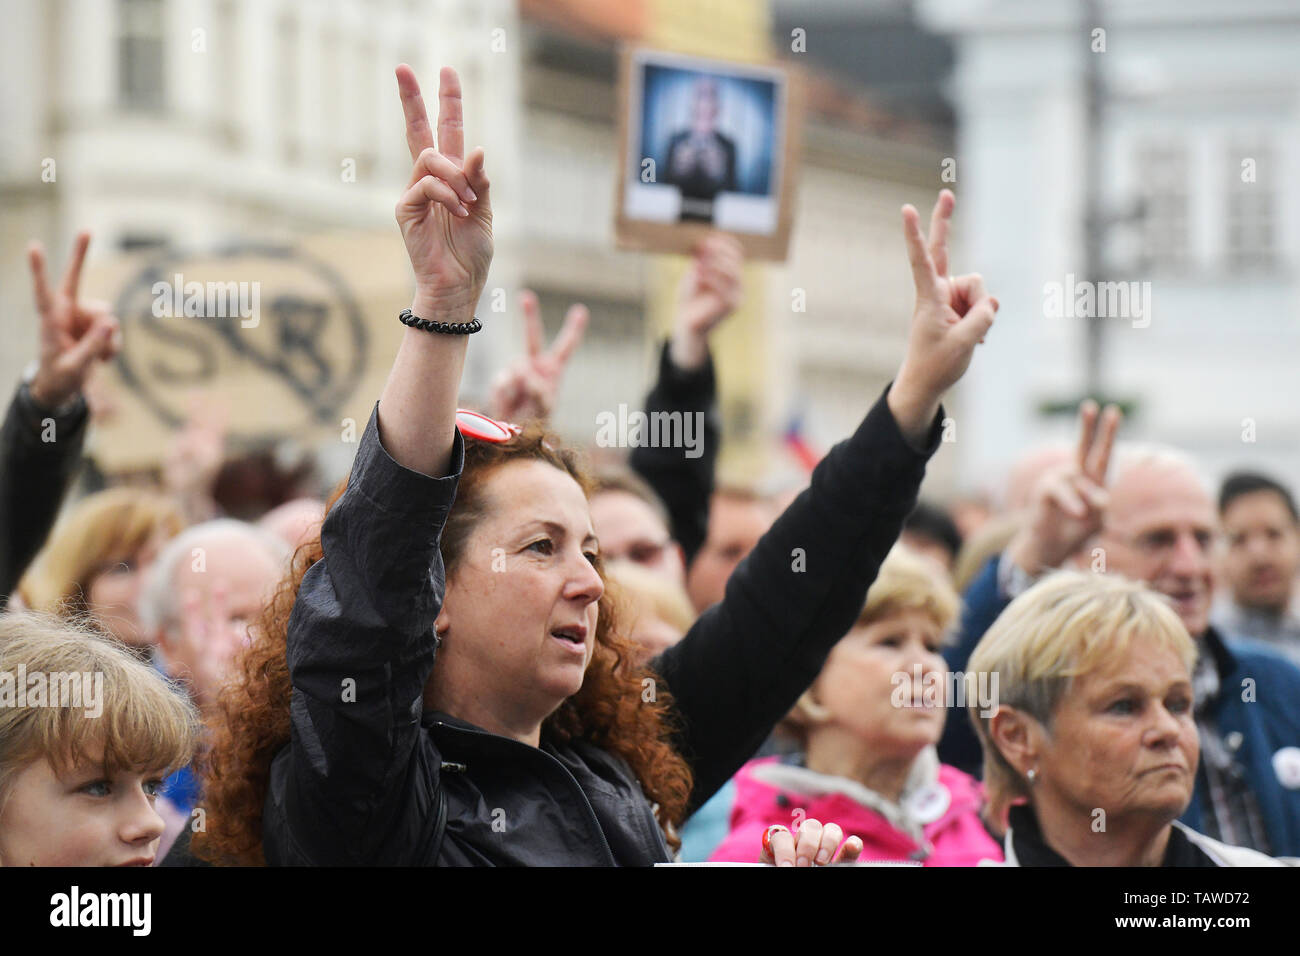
478 651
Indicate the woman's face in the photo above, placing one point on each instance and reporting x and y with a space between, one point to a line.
114 593
520 610
81 818
884 682
1123 738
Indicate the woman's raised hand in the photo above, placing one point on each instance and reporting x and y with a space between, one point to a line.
444 215
446 223
952 316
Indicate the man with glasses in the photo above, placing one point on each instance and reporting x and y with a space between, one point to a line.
1155 522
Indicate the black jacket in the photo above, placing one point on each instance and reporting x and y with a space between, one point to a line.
34 475
684 484
368 776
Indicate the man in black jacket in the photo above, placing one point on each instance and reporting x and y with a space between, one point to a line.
42 434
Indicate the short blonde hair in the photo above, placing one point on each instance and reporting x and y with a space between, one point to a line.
1067 625
98 531
643 590
907 581
143 721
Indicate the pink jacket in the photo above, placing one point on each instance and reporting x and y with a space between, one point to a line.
936 821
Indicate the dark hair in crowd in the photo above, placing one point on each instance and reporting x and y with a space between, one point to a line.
608 711
934 523
1248 482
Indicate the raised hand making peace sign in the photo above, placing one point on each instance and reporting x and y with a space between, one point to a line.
73 334
951 317
445 215
528 388
1069 502
446 223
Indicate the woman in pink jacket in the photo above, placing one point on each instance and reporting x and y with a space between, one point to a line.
869 725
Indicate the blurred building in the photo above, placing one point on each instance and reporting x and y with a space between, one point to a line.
199 123
1196 135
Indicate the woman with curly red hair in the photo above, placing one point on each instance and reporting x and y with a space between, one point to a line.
447 683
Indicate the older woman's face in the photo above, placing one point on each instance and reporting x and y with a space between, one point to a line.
1123 738
520 611
114 593
858 683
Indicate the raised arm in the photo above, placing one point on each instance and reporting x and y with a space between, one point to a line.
709 292
42 434
360 639
747 659
446 222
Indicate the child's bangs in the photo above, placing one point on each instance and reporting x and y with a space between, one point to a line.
144 726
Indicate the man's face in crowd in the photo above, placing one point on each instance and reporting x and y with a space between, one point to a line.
735 525
1160 528
237 579
1262 551
630 530
704 112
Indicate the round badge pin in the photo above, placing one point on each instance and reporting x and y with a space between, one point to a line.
1286 764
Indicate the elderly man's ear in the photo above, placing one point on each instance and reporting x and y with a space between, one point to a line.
1018 738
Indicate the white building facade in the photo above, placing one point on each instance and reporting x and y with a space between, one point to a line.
1201 130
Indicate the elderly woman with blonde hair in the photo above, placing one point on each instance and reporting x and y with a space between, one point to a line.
867 728
96 558
1091 751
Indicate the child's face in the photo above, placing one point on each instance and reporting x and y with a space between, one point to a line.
81 818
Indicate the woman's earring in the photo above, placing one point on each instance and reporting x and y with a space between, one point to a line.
1032 775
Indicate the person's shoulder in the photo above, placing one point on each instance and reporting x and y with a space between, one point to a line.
1225 855
1259 659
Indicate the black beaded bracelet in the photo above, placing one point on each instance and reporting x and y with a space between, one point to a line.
447 328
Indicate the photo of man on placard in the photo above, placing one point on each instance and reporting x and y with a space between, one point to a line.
707 144
701 160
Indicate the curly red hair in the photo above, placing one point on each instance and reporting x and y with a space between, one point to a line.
252 724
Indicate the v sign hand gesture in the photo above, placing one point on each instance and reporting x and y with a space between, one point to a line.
445 216
446 223
529 387
1069 502
74 334
952 316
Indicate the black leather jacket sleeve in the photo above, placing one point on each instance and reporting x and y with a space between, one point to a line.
747 659
684 484
39 453
361 645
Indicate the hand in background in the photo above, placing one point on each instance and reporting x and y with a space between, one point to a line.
528 387
74 334
708 293
1069 502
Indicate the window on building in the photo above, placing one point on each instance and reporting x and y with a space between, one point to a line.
1250 226
140 54
1163 182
